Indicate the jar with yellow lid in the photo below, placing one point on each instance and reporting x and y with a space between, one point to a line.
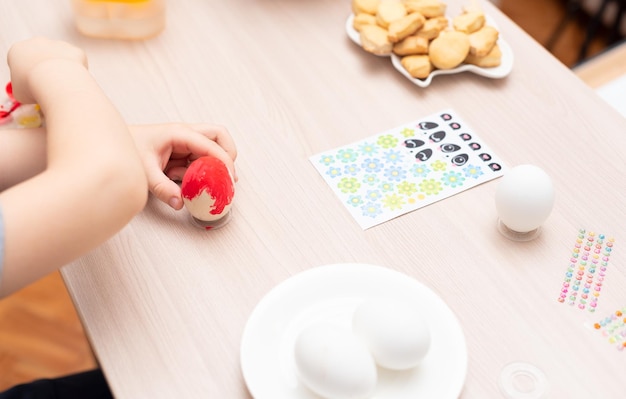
119 19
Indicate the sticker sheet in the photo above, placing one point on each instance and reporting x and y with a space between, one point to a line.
408 167
588 265
613 327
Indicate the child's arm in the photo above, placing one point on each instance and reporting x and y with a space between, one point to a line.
15 166
94 182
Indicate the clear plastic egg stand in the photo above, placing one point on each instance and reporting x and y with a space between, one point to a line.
201 212
516 235
212 224
524 200
519 380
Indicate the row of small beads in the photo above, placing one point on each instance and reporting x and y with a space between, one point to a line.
613 327
586 271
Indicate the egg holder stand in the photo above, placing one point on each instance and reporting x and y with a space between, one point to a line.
213 224
520 380
586 271
517 235
613 328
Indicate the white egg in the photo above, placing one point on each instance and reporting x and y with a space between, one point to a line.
524 198
333 363
394 331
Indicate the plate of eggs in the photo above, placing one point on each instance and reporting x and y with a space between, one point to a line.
353 330
423 42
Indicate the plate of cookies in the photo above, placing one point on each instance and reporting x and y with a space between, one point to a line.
423 42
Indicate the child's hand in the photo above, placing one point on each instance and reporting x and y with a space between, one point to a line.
24 56
167 149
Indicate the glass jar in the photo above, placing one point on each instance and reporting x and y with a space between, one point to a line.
120 19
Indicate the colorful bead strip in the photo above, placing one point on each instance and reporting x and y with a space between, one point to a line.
613 327
587 269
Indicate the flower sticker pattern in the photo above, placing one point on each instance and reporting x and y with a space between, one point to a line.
407 168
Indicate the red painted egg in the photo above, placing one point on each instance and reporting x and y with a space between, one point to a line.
208 189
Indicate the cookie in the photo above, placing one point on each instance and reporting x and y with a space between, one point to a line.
411 45
469 22
365 6
428 8
449 49
418 66
374 40
432 27
405 26
493 59
388 11
363 19
483 40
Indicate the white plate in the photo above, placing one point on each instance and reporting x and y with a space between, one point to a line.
331 293
505 67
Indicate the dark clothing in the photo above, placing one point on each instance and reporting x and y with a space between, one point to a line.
88 385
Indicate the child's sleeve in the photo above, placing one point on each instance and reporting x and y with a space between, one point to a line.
1 242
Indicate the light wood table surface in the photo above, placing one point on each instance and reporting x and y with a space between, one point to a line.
604 67
165 303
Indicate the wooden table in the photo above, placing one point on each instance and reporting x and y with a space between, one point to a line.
165 304
604 67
